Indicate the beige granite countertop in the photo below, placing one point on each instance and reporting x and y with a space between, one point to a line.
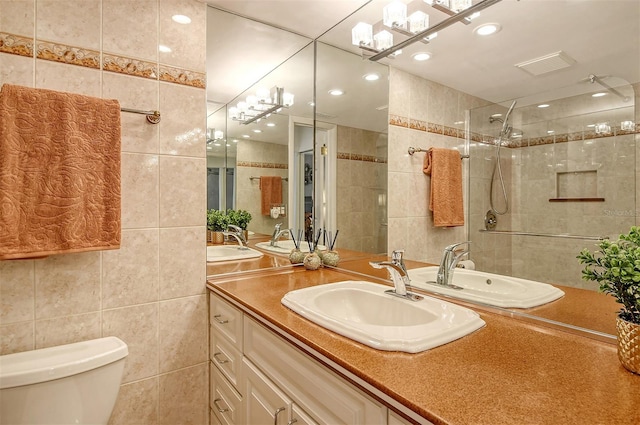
509 372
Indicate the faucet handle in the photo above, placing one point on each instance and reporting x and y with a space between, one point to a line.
397 257
235 228
453 247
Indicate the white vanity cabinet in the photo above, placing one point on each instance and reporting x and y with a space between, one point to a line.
257 378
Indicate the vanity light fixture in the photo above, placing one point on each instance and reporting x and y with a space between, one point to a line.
421 56
487 29
214 135
336 92
627 126
264 103
603 128
181 19
415 25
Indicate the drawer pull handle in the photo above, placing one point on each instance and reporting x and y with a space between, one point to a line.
292 421
217 318
220 409
215 356
276 413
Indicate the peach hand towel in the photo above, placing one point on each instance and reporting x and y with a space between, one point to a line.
270 192
59 173
445 196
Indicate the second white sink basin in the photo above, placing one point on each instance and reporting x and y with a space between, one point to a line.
488 288
217 253
285 246
363 312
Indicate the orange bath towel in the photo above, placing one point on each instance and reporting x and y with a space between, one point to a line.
270 192
59 173
445 197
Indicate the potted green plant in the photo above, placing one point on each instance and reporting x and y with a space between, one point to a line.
616 267
217 222
240 218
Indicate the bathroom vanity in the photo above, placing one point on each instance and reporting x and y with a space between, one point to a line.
268 362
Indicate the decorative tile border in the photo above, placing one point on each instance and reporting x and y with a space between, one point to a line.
67 54
73 55
16 45
358 157
434 128
182 76
129 66
252 164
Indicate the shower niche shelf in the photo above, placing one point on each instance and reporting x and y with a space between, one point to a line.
577 186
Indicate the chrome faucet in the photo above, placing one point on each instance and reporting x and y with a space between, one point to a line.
450 258
276 234
398 274
237 233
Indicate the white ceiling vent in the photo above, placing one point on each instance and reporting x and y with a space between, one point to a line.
547 63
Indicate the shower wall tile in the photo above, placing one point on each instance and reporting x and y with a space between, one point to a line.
399 92
178 248
73 22
137 326
187 41
17 291
140 190
135 19
17 70
137 403
67 284
184 396
67 330
183 330
130 274
135 93
17 17
183 188
63 77
17 337
182 130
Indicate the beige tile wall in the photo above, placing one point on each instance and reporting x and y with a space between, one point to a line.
422 114
361 172
151 292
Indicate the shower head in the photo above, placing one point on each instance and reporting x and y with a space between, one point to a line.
492 119
506 128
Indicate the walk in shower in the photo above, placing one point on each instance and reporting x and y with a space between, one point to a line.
569 170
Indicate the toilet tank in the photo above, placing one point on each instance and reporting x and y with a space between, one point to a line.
68 384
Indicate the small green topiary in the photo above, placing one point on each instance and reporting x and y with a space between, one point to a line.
217 221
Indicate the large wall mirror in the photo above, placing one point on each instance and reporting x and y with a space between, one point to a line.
351 151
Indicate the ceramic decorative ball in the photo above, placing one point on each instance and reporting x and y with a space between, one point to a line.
296 256
331 258
312 261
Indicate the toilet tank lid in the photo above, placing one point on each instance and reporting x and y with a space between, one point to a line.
47 364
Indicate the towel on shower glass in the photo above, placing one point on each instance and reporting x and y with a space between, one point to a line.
270 192
445 196
59 173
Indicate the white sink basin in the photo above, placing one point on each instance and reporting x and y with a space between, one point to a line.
217 253
488 288
285 246
363 312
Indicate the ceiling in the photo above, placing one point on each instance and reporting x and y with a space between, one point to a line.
602 36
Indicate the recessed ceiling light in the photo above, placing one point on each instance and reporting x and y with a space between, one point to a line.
209 148
543 105
600 94
336 92
228 145
270 124
371 77
181 19
550 131
487 29
216 144
458 122
421 56
591 125
311 103
235 140
257 131
164 49
246 136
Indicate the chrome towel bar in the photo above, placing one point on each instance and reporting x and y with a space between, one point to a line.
413 150
152 116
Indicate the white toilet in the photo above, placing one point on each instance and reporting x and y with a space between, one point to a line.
68 384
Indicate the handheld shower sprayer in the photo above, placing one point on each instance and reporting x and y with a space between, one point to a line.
505 133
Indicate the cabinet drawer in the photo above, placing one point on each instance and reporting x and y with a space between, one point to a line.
226 357
226 403
323 395
226 319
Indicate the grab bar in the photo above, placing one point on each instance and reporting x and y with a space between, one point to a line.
548 235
